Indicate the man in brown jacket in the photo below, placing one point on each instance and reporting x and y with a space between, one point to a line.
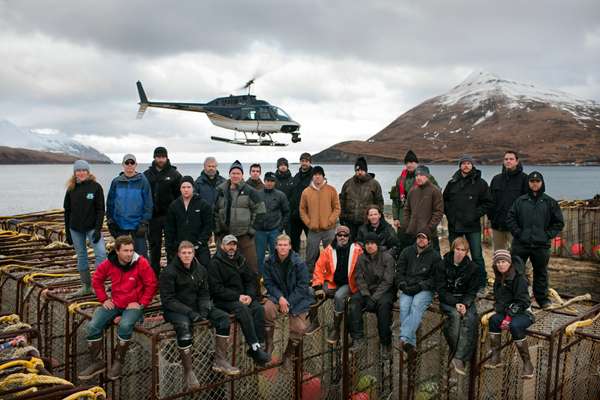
319 210
424 206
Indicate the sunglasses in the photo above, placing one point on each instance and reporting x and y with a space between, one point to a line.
129 162
342 235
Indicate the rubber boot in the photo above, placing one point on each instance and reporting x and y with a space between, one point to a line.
313 317
523 348
495 360
97 364
221 364
190 382
269 333
86 286
334 334
115 369
288 355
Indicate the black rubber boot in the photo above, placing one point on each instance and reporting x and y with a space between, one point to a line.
97 364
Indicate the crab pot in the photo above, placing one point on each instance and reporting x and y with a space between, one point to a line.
543 337
580 238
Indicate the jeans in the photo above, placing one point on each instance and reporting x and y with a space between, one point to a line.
518 326
460 333
155 235
474 239
103 317
79 243
251 318
296 229
539 257
339 295
183 325
412 309
313 243
262 240
383 310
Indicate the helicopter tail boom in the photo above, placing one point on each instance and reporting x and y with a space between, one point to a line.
142 93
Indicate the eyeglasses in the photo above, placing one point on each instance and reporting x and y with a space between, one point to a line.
342 235
129 162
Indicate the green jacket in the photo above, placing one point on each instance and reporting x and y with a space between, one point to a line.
235 211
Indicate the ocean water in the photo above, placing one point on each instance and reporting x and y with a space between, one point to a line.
28 188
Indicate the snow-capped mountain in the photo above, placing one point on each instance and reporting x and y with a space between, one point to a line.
485 115
13 136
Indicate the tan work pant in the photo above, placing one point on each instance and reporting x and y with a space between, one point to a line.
298 324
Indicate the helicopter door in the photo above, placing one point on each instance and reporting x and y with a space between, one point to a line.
249 118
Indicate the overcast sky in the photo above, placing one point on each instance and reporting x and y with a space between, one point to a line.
344 70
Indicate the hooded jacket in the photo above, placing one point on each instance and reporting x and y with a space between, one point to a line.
534 220
277 212
164 185
257 185
357 193
229 278
319 207
457 283
84 207
375 274
301 181
423 210
505 188
466 200
193 224
416 272
398 200
134 282
236 210
511 293
184 290
294 286
284 182
327 263
206 187
384 231
129 201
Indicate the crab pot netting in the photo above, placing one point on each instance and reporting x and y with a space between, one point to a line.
580 237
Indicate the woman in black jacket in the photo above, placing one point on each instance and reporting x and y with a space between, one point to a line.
84 216
457 282
513 309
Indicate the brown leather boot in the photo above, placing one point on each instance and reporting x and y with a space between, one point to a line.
523 348
221 364
334 334
313 317
495 360
190 381
97 364
269 333
115 369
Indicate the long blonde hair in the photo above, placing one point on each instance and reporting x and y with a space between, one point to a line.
73 181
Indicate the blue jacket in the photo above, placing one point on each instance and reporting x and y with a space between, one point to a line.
296 290
129 201
207 188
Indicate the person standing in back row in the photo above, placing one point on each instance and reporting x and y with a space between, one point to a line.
357 193
534 219
254 180
301 181
466 199
164 182
505 188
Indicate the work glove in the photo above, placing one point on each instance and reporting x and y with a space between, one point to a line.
319 292
195 317
68 238
370 304
402 285
505 324
141 230
204 307
513 309
97 236
112 228
411 290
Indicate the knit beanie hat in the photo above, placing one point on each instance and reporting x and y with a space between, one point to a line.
269 176
501 255
361 163
422 170
160 152
372 237
466 157
410 157
305 156
238 165
188 179
81 165
318 170
283 161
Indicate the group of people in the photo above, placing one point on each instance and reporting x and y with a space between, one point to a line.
365 261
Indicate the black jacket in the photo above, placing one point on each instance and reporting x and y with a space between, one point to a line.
164 185
511 293
385 232
534 220
207 187
84 207
284 182
183 290
505 189
278 211
457 283
375 274
193 224
301 181
231 278
466 200
416 272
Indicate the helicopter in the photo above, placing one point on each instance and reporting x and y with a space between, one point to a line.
244 114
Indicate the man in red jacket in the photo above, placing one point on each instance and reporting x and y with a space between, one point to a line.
133 285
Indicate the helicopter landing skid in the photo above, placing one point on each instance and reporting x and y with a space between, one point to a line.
249 142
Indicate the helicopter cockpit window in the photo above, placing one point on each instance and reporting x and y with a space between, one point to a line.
280 114
264 114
